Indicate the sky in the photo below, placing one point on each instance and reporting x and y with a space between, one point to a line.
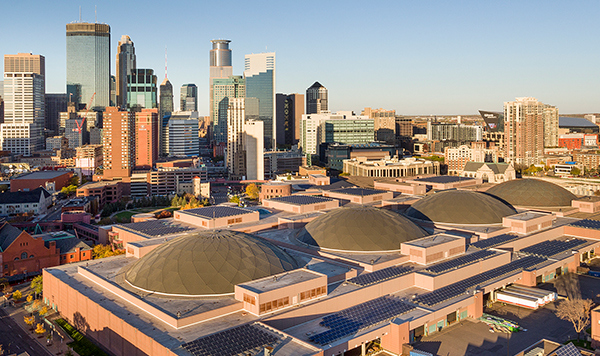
416 57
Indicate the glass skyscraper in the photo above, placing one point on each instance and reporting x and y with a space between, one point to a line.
222 90
141 89
260 83
88 64
125 64
188 98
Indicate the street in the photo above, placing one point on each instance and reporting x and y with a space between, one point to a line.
16 340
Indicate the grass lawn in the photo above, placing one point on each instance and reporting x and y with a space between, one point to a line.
125 215
81 344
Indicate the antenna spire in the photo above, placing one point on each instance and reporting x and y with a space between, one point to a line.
79 13
165 62
96 13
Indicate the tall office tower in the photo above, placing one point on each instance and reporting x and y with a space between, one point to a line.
166 98
1 101
24 115
255 150
182 129
141 89
220 68
550 126
385 123
224 89
524 131
342 127
236 156
88 64
188 98
76 132
118 141
289 111
260 83
55 104
113 90
125 64
316 99
146 138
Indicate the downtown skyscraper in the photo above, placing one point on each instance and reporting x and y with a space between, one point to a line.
259 74
126 63
88 64
188 98
221 70
316 99
24 115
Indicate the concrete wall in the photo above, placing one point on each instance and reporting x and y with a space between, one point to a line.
404 188
216 222
301 209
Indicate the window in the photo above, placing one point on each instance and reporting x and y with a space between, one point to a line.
24 255
72 256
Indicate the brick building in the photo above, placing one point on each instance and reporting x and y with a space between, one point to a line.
22 253
51 180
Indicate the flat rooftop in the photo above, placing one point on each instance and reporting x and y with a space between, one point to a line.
301 199
358 191
526 216
215 212
158 228
589 198
432 240
41 175
443 179
281 280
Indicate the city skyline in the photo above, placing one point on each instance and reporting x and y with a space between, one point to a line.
441 59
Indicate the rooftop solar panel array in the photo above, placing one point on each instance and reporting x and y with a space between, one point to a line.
460 261
214 212
301 199
358 191
568 350
443 179
379 276
360 317
587 224
231 342
454 290
552 247
156 228
494 241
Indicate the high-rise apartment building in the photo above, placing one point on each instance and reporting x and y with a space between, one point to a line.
125 65
1 101
188 98
289 111
24 94
239 113
88 64
316 99
55 104
550 126
146 138
181 130
224 89
341 127
76 132
385 123
118 141
141 89
259 74
524 131
437 131
255 149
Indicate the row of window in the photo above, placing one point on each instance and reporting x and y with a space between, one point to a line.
313 293
274 305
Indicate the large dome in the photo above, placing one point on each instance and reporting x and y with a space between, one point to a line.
207 263
532 193
461 207
360 229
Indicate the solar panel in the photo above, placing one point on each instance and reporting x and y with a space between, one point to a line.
358 191
587 224
552 247
568 350
301 199
379 276
156 227
231 342
494 241
460 261
211 212
360 317
454 290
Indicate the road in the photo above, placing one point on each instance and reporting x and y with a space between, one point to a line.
16 340
54 212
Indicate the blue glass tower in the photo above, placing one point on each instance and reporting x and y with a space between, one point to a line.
260 83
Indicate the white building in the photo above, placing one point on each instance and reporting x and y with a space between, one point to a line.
255 149
182 132
343 127
35 201
245 154
24 106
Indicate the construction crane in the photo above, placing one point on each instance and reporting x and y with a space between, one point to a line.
87 109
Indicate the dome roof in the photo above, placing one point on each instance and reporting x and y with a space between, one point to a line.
460 207
360 229
533 193
208 263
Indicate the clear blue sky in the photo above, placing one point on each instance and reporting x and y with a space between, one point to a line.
417 57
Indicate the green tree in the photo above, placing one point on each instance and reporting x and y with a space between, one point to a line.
235 199
17 295
37 284
3 188
575 171
252 191
69 189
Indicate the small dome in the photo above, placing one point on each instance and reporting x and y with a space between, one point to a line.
532 193
208 263
461 207
360 229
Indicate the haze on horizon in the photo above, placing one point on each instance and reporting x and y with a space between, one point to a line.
419 58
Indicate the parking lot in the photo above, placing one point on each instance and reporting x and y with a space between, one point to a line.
472 337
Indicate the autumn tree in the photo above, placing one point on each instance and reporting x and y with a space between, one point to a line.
577 311
17 295
29 319
40 329
29 298
37 304
43 311
37 284
235 199
252 191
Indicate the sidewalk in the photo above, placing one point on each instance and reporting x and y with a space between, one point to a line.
18 312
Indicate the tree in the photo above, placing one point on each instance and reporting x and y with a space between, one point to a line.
43 311
252 191
577 311
102 251
575 171
17 295
29 298
37 304
40 329
235 199
3 188
29 319
69 189
37 284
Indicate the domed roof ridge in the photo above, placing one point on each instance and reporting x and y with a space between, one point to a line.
531 192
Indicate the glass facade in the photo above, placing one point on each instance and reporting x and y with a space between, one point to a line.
188 98
222 90
260 83
88 64
141 89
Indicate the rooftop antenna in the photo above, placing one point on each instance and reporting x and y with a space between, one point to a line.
96 13
165 62
79 13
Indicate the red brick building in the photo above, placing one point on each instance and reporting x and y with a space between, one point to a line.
33 180
22 253
70 248
146 138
